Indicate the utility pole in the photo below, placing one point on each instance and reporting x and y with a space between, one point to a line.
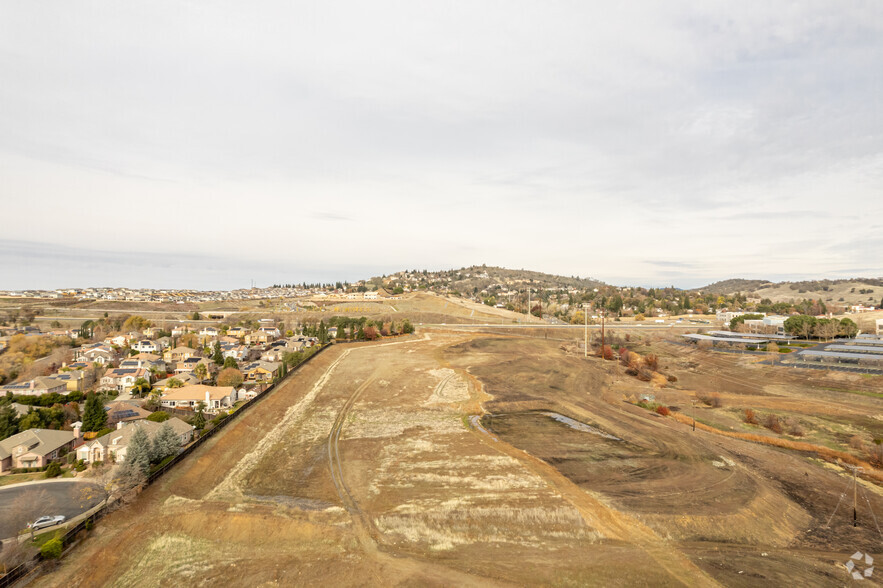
586 333
855 470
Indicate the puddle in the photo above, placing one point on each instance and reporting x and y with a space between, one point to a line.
476 422
578 426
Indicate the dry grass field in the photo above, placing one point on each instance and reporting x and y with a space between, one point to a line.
454 458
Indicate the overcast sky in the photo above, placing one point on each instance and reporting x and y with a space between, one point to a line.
206 144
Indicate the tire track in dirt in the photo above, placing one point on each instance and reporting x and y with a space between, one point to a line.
231 483
409 568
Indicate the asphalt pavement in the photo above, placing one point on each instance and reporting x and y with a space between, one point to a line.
42 499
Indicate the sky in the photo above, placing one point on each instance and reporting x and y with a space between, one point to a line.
209 144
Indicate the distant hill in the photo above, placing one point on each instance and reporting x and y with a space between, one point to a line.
732 286
867 291
466 279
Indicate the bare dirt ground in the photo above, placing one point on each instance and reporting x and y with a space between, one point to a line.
467 459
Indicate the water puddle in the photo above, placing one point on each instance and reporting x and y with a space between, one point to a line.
476 422
578 426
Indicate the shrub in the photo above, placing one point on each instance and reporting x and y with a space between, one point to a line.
750 417
159 416
52 549
607 352
672 378
54 470
794 428
663 410
773 424
875 453
651 361
856 442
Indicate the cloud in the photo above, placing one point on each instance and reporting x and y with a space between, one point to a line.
739 139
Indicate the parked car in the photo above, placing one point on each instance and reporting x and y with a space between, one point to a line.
43 522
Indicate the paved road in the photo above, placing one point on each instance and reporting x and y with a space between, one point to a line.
54 498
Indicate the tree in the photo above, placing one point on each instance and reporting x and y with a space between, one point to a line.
801 325
848 328
218 355
199 419
159 416
138 453
175 383
407 327
230 362
230 377
8 421
740 320
195 316
94 415
165 443
201 371
141 386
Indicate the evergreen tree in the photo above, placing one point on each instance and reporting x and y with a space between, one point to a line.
199 419
218 356
139 451
230 362
165 443
94 415
8 421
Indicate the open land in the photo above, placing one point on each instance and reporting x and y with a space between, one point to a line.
467 458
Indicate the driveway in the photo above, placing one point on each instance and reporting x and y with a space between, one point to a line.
45 498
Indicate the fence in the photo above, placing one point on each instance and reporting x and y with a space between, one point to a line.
17 573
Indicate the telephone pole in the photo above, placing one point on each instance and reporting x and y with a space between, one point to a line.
586 333
855 470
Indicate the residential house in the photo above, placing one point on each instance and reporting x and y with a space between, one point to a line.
214 397
186 379
179 353
273 331
122 379
119 341
209 332
164 343
237 352
36 387
259 338
238 332
179 330
262 371
96 353
189 365
274 354
112 447
124 412
146 346
153 366
74 380
35 448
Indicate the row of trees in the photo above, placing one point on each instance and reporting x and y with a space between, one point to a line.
809 326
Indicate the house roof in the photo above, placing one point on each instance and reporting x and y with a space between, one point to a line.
123 411
121 437
270 366
40 441
186 378
197 392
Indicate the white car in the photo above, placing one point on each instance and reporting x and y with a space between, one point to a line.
43 522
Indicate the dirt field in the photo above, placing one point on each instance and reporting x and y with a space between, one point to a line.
469 459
